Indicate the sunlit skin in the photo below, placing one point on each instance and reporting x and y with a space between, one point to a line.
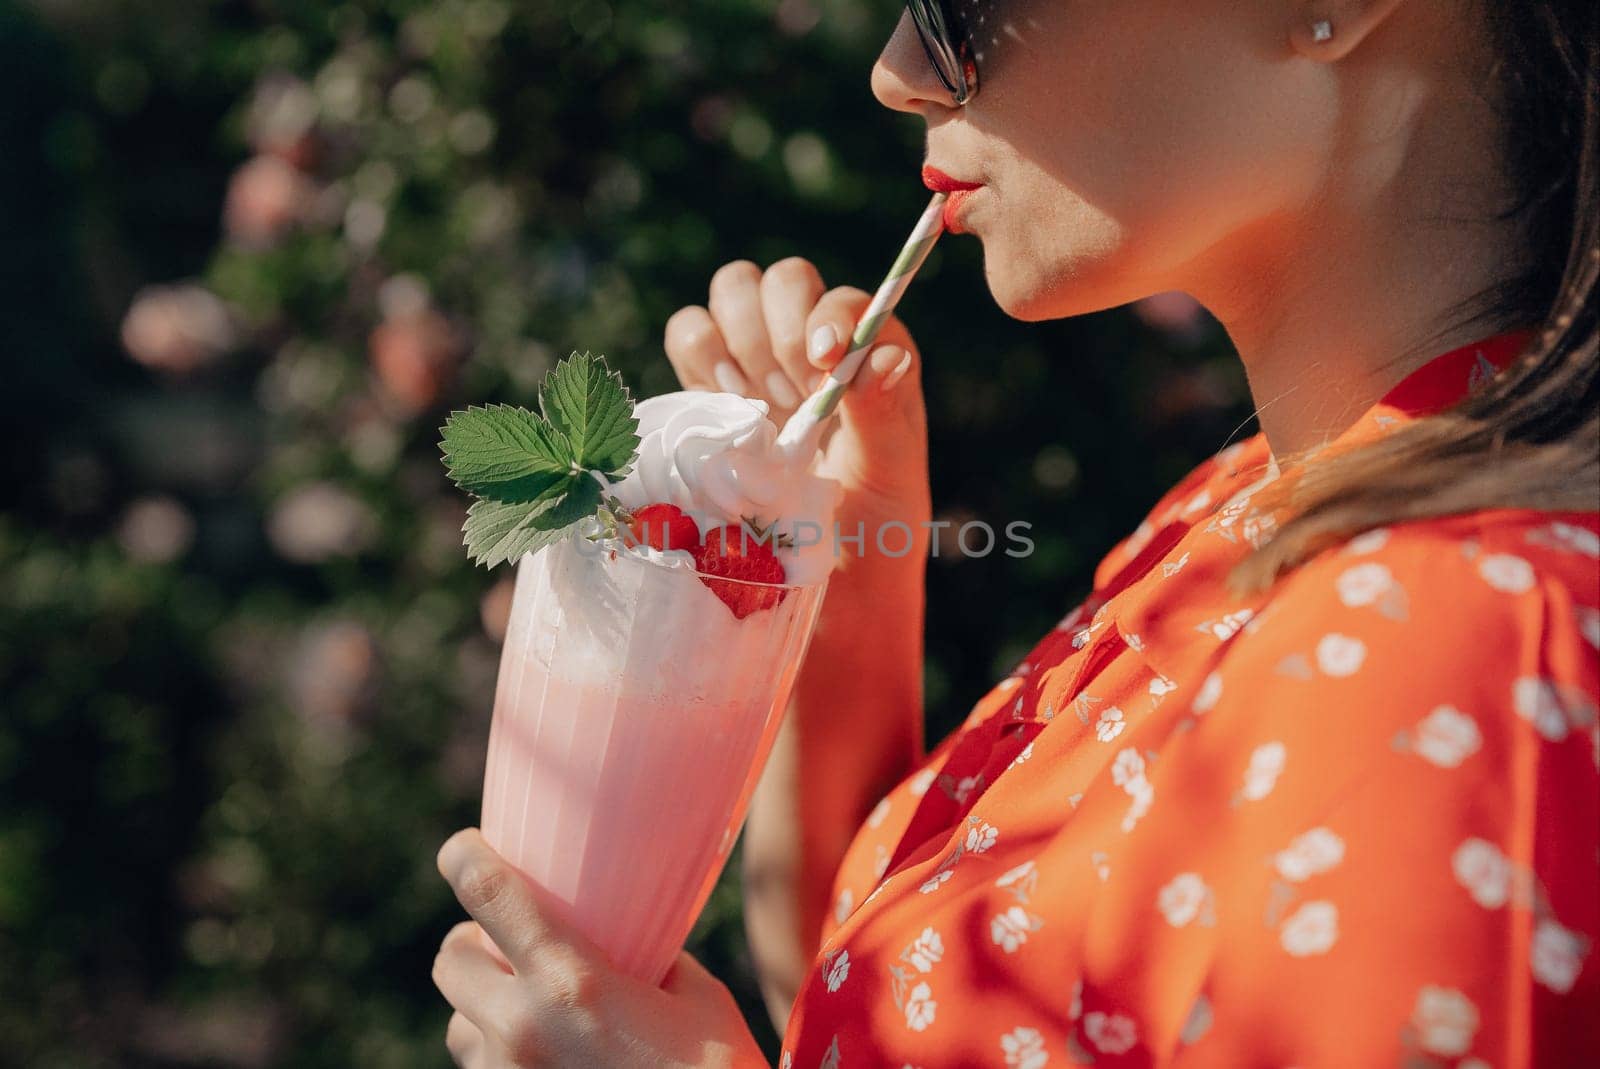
1317 197
1327 201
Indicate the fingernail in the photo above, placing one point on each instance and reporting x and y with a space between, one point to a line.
823 339
783 393
883 359
891 380
730 379
454 853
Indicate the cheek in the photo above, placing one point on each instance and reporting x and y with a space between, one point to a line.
1120 173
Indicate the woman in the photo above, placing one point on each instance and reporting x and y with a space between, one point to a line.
1310 777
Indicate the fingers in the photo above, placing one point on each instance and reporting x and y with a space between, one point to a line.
530 1017
774 334
468 976
464 1041
829 327
736 306
790 288
695 347
830 324
527 931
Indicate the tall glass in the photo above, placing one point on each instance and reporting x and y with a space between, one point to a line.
632 718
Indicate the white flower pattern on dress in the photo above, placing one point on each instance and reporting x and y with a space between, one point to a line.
1266 765
1009 930
1210 691
958 789
836 965
1128 767
1446 737
1021 877
926 950
1536 702
1589 624
1110 724
1363 584
879 812
1127 772
1340 655
1181 900
1554 710
1024 1048
1568 539
920 1008
1310 854
1507 573
1556 956
1311 929
1111 1033
1484 871
981 838
1445 1021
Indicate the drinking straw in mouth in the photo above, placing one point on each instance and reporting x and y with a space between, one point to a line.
803 431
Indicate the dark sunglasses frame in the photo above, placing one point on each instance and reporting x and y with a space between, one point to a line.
947 46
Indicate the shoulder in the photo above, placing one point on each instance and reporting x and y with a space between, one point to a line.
1492 615
1512 571
1409 719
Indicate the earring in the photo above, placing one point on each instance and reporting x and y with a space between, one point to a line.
1321 30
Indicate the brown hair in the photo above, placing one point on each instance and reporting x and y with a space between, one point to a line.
1530 438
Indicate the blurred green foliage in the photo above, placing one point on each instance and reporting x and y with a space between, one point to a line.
253 253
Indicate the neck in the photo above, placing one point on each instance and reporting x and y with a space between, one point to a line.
1330 311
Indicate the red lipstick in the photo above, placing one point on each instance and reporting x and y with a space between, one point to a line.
940 182
956 193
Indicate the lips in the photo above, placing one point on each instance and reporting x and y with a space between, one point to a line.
940 182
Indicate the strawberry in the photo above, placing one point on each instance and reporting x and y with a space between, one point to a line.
732 553
664 526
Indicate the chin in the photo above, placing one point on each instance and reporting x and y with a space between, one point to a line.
1033 297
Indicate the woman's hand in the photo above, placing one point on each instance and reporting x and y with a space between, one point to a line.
530 990
755 338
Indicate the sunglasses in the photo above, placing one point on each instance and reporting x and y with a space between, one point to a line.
949 50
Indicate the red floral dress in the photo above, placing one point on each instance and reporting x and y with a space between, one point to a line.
1354 821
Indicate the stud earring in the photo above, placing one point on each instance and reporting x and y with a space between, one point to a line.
1321 30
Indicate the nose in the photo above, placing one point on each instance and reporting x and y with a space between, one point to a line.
903 79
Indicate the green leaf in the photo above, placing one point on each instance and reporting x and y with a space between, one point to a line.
500 531
589 406
505 453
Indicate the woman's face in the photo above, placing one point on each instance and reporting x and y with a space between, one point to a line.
1126 147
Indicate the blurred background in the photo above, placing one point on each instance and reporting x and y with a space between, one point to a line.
253 253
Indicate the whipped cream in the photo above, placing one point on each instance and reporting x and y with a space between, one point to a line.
715 455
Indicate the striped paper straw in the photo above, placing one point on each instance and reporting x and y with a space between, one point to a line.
803 431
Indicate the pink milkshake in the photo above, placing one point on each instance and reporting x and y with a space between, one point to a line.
634 710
